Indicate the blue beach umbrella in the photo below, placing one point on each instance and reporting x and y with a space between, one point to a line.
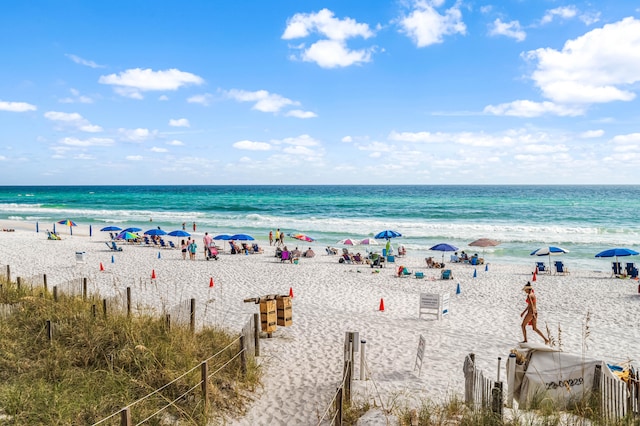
111 228
444 247
386 234
223 237
241 237
179 233
132 229
549 251
615 252
155 232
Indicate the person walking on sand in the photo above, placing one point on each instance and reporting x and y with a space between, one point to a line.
278 236
270 237
194 227
207 240
530 314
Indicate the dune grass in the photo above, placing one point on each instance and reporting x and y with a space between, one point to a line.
94 366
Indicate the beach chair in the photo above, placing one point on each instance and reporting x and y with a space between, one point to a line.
113 246
284 256
345 258
171 245
633 273
418 274
560 268
542 268
446 274
403 272
616 269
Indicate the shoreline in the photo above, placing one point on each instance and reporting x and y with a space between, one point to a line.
303 362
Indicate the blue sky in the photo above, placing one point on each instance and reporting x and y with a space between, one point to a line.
333 92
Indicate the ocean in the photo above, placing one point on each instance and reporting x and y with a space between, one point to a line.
581 219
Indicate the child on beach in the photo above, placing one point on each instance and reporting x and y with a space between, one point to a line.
193 248
531 312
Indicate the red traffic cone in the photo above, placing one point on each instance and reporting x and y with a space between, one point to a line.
101 267
534 277
153 274
381 309
211 282
291 292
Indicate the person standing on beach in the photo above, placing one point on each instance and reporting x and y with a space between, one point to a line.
184 226
207 240
194 227
530 314
270 237
183 247
193 248
282 238
278 236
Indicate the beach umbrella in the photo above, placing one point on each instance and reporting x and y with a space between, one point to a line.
132 229
302 237
241 237
549 251
69 223
223 237
443 247
348 242
155 232
617 252
111 228
369 242
126 235
386 234
179 233
484 242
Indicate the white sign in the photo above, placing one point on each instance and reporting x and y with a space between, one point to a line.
434 304
421 345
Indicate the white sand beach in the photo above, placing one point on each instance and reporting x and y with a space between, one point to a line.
303 363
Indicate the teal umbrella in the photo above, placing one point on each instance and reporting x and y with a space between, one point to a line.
126 235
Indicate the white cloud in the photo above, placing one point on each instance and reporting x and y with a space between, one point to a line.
302 140
565 12
252 146
263 100
425 26
86 142
73 119
163 98
175 142
134 158
600 66
131 82
331 51
179 122
589 134
504 139
204 99
301 114
85 62
509 29
16 106
347 139
524 108
159 149
76 98
136 135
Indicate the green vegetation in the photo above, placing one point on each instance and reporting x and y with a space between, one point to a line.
93 366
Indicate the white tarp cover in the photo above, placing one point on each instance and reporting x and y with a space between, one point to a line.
557 375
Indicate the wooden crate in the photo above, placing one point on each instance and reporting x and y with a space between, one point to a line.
268 316
284 305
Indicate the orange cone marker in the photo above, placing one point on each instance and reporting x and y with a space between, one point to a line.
101 267
153 274
381 309
291 292
534 277
211 282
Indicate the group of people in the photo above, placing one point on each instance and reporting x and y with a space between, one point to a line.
279 238
189 246
465 258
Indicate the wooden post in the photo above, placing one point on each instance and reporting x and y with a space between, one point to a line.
125 417
84 289
19 282
469 379
44 282
192 322
104 308
243 356
8 273
339 404
256 333
49 331
167 322
496 399
93 310
204 381
128 301
55 293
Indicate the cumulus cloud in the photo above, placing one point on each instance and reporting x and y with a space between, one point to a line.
136 135
252 146
158 149
475 139
16 106
524 108
597 67
262 100
132 82
590 134
175 142
86 142
204 99
331 51
509 29
73 119
301 114
85 62
564 12
76 97
425 26
179 122
347 139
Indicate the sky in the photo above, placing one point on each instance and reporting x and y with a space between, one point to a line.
157 92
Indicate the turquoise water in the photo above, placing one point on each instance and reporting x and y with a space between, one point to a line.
582 219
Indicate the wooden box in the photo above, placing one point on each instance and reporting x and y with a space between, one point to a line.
268 317
284 311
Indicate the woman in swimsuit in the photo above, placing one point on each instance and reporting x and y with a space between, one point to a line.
530 314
